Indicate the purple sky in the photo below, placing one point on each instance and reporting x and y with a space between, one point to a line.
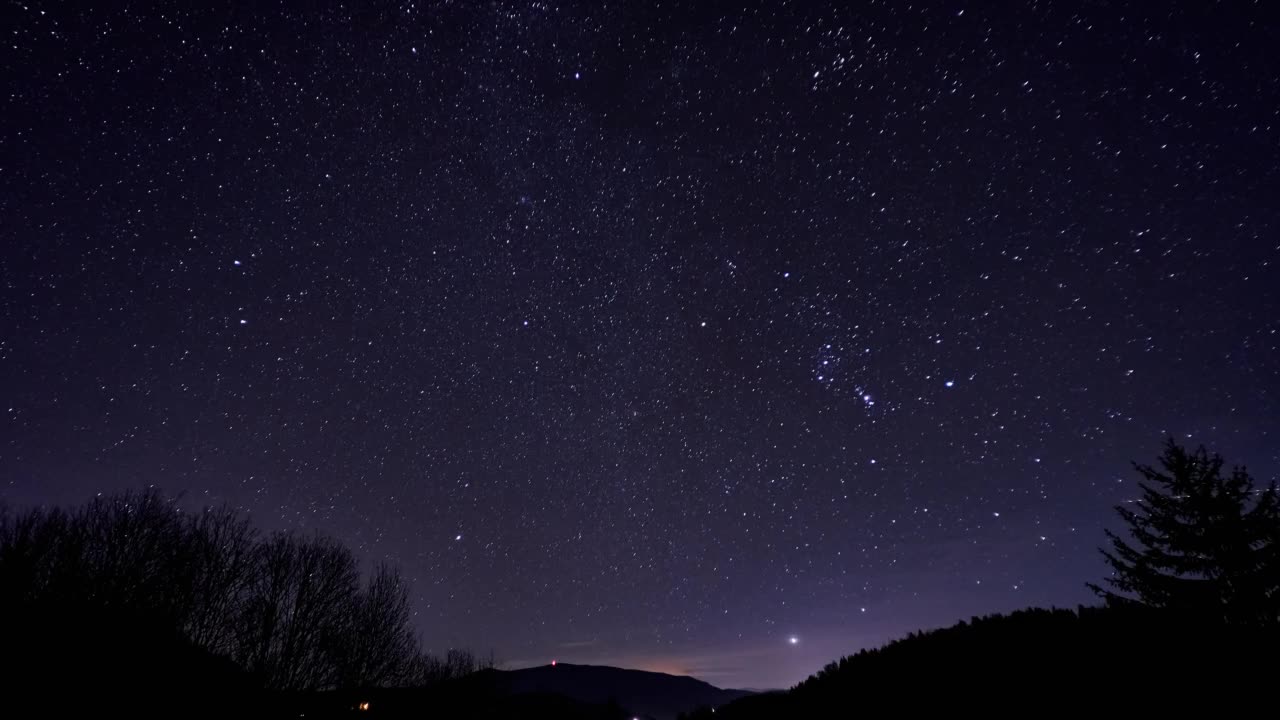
640 335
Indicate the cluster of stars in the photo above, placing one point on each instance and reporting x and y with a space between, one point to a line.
708 327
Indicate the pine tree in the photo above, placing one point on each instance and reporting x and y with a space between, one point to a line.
1203 543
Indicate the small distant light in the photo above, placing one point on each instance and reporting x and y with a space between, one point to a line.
951 383
793 640
457 537
364 706
244 322
553 663
235 262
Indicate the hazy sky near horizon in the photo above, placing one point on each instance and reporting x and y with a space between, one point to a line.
649 333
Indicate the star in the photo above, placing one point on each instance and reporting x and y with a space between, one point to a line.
768 472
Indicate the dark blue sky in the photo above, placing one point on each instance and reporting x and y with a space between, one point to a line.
645 334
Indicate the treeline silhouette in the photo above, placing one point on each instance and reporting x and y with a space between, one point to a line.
1191 618
1037 662
129 596
128 602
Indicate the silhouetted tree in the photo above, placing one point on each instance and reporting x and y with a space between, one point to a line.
428 669
93 604
1203 542
148 593
380 648
222 549
294 618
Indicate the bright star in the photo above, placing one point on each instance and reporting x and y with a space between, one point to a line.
793 640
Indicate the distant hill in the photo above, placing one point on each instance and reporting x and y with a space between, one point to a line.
563 692
644 694
1037 662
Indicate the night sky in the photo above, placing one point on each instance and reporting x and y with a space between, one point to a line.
696 339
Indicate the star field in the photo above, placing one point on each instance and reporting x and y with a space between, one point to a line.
707 340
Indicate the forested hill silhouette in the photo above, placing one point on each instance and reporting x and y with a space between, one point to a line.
1191 616
648 694
1035 662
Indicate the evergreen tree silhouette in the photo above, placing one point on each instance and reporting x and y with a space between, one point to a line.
1203 542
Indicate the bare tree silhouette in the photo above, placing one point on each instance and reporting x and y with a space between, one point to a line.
131 579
